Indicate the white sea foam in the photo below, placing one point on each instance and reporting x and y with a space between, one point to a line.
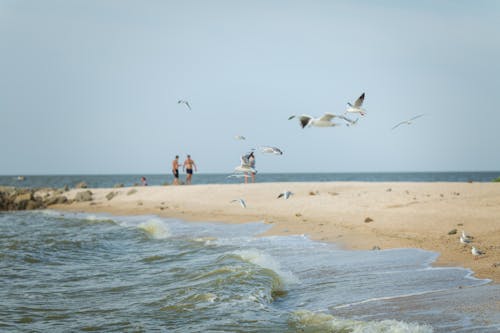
156 228
266 261
308 321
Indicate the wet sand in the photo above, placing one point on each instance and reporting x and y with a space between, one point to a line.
356 215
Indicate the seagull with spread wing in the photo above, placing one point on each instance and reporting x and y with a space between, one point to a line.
356 108
323 121
407 122
183 101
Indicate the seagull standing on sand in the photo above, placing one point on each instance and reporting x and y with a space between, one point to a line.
241 201
324 121
476 253
285 194
465 236
464 240
356 108
183 101
271 150
407 122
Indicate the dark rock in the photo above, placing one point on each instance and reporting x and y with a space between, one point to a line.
368 220
83 196
111 195
56 200
81 185
452 232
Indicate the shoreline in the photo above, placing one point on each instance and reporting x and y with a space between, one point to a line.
354 215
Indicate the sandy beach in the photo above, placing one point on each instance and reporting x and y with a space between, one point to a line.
356 215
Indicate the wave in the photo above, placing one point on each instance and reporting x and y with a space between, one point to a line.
263 260
155 228
308 321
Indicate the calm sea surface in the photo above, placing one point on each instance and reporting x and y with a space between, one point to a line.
129 180
66 272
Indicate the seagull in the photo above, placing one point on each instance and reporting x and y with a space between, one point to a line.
237 175
349 121
271 150
356 108
183 101
240 137
244 166
241 201
285 194
323 121
407 122
476 253
464 240
465 236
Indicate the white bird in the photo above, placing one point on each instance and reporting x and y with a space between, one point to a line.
271 150
244 166
476 253
464 240
407 122
183 101
285 194
356 108
240 137
349 122
323 121
464 235
241 201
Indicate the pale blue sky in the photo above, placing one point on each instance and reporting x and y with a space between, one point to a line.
92 86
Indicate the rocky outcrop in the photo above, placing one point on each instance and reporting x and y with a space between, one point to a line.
12 198
83 196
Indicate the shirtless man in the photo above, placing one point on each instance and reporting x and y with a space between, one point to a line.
175 169
188 166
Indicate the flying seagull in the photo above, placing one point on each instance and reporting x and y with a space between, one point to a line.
323 121
285 194
349 121
356 108
183 101
271 150
476 253
244 165
239 137
407 122
241 201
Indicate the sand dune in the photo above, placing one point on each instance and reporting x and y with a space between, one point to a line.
358 215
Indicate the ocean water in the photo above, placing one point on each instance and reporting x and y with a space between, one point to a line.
160 179
63 272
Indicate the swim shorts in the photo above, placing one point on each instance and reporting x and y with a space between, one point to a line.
189 171
176 173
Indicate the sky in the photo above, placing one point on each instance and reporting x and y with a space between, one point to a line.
91 86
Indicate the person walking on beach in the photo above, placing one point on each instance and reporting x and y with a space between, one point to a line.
188 166
144 181
251 163
175 169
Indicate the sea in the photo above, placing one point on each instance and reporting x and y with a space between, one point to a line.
81 272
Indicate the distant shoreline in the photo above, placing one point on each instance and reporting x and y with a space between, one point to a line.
357 215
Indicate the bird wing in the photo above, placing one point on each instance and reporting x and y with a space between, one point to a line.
399 124
187 104
327 117
359 101
420 115
350 121
291 117
304 120
281 195
244 161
